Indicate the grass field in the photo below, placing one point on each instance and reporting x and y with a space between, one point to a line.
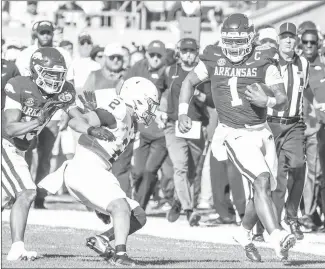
65 248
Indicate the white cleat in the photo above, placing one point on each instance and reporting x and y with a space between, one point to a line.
21 255
288 241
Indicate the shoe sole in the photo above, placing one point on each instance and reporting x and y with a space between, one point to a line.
288 243
92 246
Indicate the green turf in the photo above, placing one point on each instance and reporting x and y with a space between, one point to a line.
65 248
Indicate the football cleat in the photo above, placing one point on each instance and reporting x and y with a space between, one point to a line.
101 246
252 253
288 242
103 217
21 255
121 260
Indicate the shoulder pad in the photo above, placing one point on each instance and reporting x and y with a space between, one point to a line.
267 53
14 87
211 52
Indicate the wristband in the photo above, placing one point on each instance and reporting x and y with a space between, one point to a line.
182 109
89 130
271 101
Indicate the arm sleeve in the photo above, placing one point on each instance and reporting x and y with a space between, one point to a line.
201 71
272 76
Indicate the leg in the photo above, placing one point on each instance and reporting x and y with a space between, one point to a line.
157 155
321 151
121 169
178 153
219 181
17 181
45 144
258 171
140 157
196 149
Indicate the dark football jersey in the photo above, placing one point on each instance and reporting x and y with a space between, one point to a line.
24 91
229 81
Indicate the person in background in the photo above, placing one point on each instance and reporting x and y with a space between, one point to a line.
126 57
315 124
288 128
83 65
136 56
180 149
68 46
152 151
97 54
110 77
58 36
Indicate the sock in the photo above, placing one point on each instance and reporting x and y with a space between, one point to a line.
243 237
276 237
120 249
18 245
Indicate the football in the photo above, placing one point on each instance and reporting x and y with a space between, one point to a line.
265 88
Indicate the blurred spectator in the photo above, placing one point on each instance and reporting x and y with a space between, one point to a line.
135 57
71 14
126 57
268 36
184 153
57 36
170 58
97 55
67 45
44 31
313 119
12 49
152 151
83 65
108 77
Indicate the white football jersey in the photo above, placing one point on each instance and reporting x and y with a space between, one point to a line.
109 151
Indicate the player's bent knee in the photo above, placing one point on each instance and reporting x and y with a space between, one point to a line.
262 183
119 206
140 215
27 195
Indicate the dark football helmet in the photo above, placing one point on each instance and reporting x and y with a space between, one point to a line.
48 69
237 35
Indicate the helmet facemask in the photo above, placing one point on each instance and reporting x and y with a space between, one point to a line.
145 110
51 80
237 45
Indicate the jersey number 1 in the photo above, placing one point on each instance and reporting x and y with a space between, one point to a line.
232 83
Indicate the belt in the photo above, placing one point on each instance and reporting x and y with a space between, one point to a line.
284 121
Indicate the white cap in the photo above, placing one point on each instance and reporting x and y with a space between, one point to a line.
113 49
270 33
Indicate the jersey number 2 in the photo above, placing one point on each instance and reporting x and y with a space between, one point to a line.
232 83
114 103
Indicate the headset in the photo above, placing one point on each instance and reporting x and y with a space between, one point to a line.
177 48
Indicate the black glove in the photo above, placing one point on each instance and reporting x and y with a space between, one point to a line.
89 102
47 111
101 133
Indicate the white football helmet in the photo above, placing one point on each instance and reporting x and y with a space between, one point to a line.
142 95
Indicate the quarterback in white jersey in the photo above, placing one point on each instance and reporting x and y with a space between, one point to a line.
105 130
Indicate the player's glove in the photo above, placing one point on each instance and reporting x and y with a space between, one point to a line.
101 133
47 111
89 102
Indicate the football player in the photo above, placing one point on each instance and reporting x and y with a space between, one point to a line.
105 131
237 68
30 103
